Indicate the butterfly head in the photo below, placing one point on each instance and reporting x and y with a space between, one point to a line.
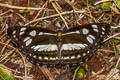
59 34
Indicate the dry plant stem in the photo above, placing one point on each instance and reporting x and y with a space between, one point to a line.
4 46
47 73
104 50
29 78
24 64
60 14
24 19
111 75
7 45
2 35
18 7
94 75
47 17
115 10
112 36
102 1
114 48
40 10
5 56
100 16
90 14
21 56
115 2
6 12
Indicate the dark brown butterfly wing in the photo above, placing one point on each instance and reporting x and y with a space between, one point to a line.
37 44
40 45
80 42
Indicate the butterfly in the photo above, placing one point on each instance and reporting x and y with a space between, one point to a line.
65 47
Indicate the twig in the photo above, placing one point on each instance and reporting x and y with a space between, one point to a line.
99 72
112 36
40 10
21 56
10 10
60 14
113 72
102 1
18 7
53 16
47 73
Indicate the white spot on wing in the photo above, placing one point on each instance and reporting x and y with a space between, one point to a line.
22 29
39 57
80 45
14 32
94 26
49 47
40 33
34 56
43 33
72 57
27 38
66 57
85 31
33 33
73 46
46 58
88 51
28 42
32 47
66 47
77 31
91 36
89 40
103 32
78 56
85 45
30 54
103 28
52 58
84 54
56 58
96 30
21 33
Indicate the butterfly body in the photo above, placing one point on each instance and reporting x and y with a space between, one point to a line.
71 47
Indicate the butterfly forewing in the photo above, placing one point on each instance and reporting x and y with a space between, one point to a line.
40 46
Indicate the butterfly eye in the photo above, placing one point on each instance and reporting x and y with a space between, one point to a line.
45 47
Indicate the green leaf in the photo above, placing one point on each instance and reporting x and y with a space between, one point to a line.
106 5
81 73
21 11
117 41
5 75
118 3
31 12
